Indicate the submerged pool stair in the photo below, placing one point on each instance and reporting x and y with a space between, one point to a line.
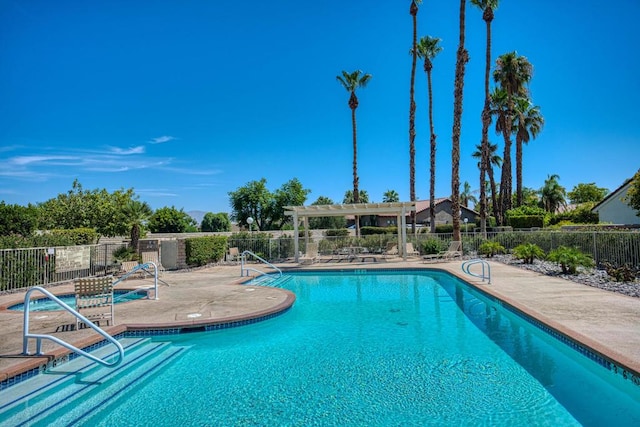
71 392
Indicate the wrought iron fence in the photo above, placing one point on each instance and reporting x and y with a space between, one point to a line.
22 268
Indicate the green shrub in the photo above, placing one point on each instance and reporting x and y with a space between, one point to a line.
528 252
491 248
79 236
125 253
364 231
336 232
622 273
526 221
444 228
204 250
432 246
570 259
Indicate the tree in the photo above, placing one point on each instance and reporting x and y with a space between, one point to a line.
17 220
494 160
215 222
171 220
427 49
79 208
487 7
462 57
583 193
552 194
136 213
349 199
500 111
413 11
528 123
512 73
351 82
390 196
267 209
530 197
327 222
467 196
633 195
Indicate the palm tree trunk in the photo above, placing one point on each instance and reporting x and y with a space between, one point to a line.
462 57
413 10
494 192
356 195
518 172
486 122
432 159
505 180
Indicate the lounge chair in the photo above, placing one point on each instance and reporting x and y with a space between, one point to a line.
454 250
311 255
411 251
94 299
392 250
128 267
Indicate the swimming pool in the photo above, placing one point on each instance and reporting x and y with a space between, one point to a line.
390 348
45 304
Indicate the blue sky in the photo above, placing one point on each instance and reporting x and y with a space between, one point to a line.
187 100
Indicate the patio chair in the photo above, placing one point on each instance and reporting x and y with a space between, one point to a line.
392 250
94 299
152 257
233 255
311 255
411 251
454 250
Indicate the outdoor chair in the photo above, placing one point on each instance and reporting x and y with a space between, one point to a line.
411 251
128 267
392 250
454 250
94 299
233 255
311 254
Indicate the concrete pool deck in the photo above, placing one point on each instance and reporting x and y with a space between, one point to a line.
606 322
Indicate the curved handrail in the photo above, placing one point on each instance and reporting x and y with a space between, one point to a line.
39 337
466 267
144 268
244 270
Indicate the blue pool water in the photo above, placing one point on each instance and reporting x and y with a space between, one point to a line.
45 304
384 349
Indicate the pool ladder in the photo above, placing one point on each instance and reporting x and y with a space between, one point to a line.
486 269
246 270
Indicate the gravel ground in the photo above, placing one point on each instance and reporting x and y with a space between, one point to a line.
586 276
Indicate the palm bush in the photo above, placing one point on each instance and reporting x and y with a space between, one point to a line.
570 259
528 252
491 248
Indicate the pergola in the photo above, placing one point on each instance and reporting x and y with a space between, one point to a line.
400 209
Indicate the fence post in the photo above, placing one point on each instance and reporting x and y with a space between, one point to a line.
595 249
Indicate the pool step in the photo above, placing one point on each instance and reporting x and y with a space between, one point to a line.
69 392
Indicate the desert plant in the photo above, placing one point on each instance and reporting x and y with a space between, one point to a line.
623 273
570 259
125 253
528 252
491 248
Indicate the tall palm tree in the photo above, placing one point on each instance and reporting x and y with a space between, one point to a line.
467 196
136 213
512 73
390 196
528 123
427 49
494 160
462 57
351 82
552 194
500 111
413 11
487 7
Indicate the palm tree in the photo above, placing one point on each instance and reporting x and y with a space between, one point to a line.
512 73
351 82
528 123
413 11
500 110
462 57
350 199
136 213
467 196
390 196
487 7
427 49
494 160
552 194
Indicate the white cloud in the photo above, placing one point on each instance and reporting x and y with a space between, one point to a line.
162 139
26 160
125 152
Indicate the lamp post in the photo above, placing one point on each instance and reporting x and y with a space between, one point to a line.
466 230
250 221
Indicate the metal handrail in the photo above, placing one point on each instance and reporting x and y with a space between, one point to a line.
466 266
244 269
39 337
144 268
